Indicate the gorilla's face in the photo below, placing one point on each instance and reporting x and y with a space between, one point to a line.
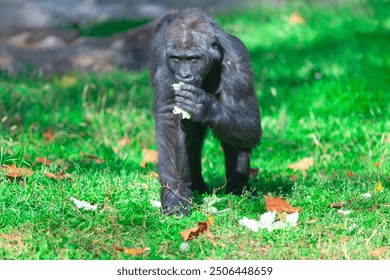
191 53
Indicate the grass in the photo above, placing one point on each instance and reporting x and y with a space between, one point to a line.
323 90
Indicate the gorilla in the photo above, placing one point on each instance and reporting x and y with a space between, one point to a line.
216 90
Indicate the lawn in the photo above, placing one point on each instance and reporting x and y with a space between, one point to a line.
322 76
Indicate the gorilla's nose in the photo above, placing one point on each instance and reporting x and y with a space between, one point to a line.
185 78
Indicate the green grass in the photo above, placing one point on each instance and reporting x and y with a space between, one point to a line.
323 90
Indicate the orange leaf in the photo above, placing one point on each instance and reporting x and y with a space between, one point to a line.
133 251
279 205
378 252
43 160
124 142
194 232
150 156
49 135
14 172
296 18
302 165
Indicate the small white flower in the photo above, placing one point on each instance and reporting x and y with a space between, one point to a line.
292 219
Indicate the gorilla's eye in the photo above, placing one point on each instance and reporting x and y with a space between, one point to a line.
175 58
194 58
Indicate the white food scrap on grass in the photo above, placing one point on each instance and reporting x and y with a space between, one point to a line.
344 212
81 204
155 203
249 223
367 195
267 220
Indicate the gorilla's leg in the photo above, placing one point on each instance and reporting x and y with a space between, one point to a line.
237 168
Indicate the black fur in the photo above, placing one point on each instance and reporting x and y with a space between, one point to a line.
190 47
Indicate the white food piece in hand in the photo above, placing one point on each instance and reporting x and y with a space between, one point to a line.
177 110
184 114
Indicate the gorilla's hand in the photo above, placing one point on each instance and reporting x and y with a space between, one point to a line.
195 101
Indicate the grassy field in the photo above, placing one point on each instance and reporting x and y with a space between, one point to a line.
322 77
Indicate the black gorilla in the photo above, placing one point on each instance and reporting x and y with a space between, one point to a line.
190 47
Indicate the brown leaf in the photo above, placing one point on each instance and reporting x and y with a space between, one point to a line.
337 205
43 160
48 135
378 164
302 165
296 18
253 172
279 205
124 142
95 159
133 251
59 176
378 252
150 156
14 172
194 232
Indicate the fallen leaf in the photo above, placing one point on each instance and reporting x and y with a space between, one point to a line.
253 172
293 178
350 174
337 205
133 251
279 205
201 228
14 172
302 165
49 135
59 176
95 159
43 160
296 18
378 252
378 164
124 142
149 156
379 187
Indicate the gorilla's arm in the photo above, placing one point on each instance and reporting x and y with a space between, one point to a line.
233 111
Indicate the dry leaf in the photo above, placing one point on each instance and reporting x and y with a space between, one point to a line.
14 172
48 135
302 165
253 172
379 187
150 156
124 142
337 205
59 176
378 252
296 18
95 159
279 205
43 160
201 228
133 251
378 164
